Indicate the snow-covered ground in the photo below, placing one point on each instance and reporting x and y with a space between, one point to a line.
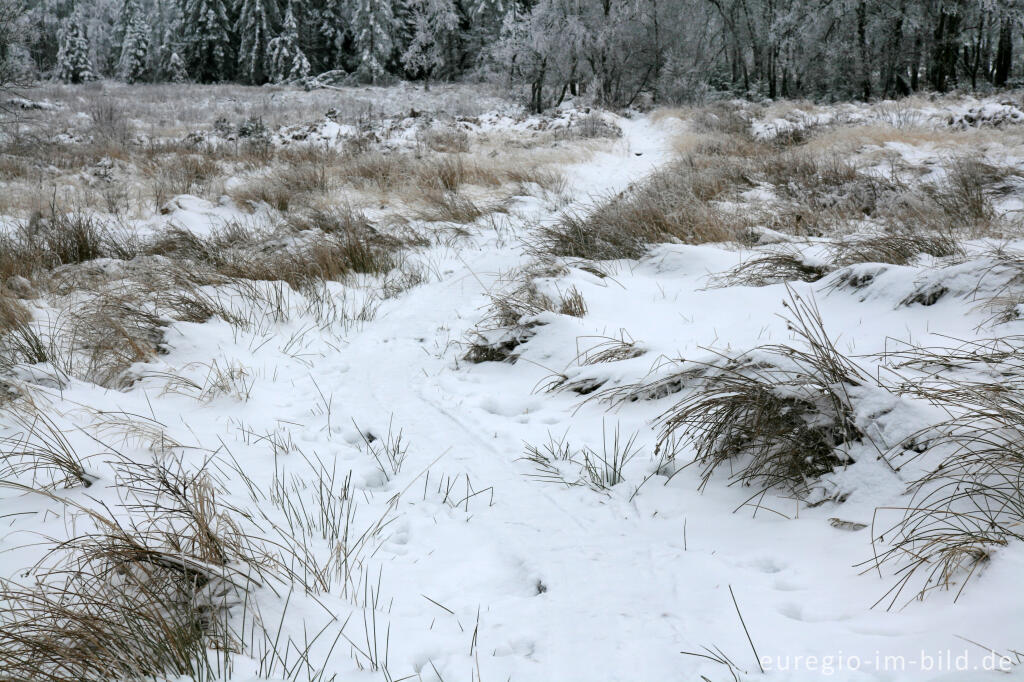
469 565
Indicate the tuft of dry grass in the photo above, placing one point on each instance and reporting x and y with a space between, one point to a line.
42 452
972 502
511 317
572 303
114 331
180 173
321 246
57 238
507 325
663 208
447 140
611 349
777 416
557 461
450 207
898 248
139 598
13 314
962 195
776 266
290 179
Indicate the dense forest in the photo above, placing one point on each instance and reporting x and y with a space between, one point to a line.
616 51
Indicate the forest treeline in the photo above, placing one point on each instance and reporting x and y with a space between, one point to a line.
615 51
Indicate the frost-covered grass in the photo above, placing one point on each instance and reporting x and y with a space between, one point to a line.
122 151
479 395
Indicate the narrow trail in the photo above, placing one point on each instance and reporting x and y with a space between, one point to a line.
544 577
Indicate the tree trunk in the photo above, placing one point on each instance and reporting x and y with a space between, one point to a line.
865 57
1004 53
915 64
893 58
946 51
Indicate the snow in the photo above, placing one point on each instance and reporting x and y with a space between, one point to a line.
487 573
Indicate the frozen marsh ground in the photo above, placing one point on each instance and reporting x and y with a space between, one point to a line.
366 389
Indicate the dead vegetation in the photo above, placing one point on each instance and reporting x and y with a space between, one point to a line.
512 316
558 461
13 314
509 322
693 200
971 503
156 590
795 262
777 416
899 248
100 157
787 264
804 188
114 331
107 299
666 207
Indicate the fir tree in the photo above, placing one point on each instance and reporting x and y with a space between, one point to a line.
433 50
372 26
404 31
130 9
175 70
333 22
486 18
73 62
134 50
207 42
13 41
257 24
287 61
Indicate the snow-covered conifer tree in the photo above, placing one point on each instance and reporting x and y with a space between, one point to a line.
207 47
257 24
125 16
372 27
134 50
73 62
286 59
489 12
333 18
175 70
433 50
